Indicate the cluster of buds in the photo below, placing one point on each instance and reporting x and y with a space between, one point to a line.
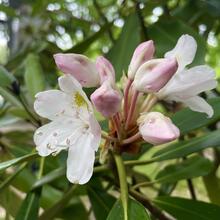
129 111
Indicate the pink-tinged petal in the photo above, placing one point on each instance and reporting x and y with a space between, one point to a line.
80 67
144 52
184 51
154 74
156 128
106 70
106 100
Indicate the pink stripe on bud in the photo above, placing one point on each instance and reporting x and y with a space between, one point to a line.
142 53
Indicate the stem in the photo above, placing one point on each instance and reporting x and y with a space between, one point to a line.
132 108
107 137
148 103
123 183
116 126
129 82
42 160
32 116
131 139
191 189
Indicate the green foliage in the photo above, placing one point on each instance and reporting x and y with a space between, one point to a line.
135 211
188 209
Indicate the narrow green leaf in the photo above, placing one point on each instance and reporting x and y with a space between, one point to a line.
190 168
121 52
187 120
8 10
99 199
34 78
184 148
6 78
183 209
7 181
50 177
84 45
6 164
30 207
9 97
54 210
135 211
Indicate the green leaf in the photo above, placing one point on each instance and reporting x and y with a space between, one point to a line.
8 10
135 211
50 177
84 45
183 209
6 78
184 148
166 32
100 199
6 164
187 120
190 168
121 52
30 206
34 78
54 210
9 97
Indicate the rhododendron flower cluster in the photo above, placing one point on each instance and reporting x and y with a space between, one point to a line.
130 111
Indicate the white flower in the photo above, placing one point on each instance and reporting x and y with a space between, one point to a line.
186 84
72 127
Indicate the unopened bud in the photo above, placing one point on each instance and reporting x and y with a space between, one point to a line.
106 99
154 74
156 128
106 70
79 66
143 53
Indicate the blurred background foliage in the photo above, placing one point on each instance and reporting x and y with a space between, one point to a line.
30 33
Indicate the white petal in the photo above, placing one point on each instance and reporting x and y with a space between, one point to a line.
95 130
184 51
188 83
71 86
53 103
199 104
80 161
57 135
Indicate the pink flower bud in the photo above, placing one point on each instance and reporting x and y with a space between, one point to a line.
142 53
105 69
106 99
154 74
80 67
156 128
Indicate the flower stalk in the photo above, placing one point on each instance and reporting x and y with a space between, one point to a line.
123 183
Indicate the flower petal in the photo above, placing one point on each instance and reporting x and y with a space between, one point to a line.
199 104
189 83
79 66
184 51
95 130
52 104
57 135
71 86
80 161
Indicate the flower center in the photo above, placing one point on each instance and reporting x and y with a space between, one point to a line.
79 100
